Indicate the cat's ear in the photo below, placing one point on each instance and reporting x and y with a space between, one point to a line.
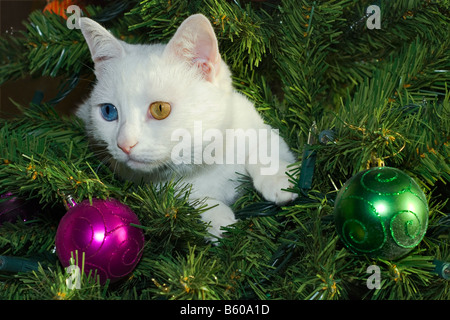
101 42
196 42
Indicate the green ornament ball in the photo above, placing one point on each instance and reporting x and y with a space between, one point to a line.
381 212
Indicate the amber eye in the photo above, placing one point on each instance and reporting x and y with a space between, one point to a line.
160 110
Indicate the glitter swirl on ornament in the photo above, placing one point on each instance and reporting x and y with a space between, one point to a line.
406 229
385 182
365 233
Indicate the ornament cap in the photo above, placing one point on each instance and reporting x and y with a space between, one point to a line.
374 161
68 201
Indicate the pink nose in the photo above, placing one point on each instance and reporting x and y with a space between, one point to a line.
126 148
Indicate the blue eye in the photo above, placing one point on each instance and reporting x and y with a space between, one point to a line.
109 112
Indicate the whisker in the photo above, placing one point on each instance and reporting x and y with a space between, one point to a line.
89 66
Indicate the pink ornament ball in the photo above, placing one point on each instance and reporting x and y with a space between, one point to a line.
13 208
112 247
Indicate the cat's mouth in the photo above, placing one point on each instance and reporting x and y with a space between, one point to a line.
133 162
144 165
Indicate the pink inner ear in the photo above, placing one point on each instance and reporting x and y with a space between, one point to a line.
101 59
207 57
206 68
196 42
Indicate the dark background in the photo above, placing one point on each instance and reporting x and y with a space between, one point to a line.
12 14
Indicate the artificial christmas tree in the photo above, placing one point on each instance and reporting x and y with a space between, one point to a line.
317 69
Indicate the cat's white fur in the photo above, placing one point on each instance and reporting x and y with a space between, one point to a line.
190 74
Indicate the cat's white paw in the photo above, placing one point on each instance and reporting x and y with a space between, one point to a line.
271 186
219 216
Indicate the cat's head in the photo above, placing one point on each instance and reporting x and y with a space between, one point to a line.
145 92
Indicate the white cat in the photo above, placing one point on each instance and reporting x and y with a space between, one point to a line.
146 94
